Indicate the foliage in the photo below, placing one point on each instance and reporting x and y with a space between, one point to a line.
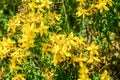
59 40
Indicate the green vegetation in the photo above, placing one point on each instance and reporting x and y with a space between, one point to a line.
59 40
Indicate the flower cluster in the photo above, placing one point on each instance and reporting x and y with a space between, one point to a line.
87 7
74 49
33 19
32 22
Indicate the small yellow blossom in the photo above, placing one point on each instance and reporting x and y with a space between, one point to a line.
83 73
105 76
6 45
93 49
102 6
92 9
43 29
110 2
93 53
81 12
19 55
19 77
81 2
13 67
46 3
80 59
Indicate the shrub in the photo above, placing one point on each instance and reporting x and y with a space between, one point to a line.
43 40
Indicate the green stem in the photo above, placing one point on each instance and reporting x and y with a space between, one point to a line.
66 16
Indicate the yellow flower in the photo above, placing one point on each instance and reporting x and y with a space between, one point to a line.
43 29
37 1
102 6
55 59
81 2
93 59
92 9
19 77
46 3
19 55
13 67
105 76
80 59
81 12
6 46
84 70
13 23
25 0
96 59
32 5
81 43
90 60
44 48
71 35
83 73
65 50
93 49
110 2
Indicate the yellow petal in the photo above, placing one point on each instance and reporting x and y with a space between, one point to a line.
96 59
90 60
106 8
